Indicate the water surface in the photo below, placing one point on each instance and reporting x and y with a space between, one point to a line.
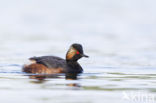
119 36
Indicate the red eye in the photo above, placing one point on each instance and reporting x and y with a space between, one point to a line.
77 52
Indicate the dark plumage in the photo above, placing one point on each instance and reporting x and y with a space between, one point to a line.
53 64
50 61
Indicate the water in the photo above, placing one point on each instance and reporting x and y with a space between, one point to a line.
119 36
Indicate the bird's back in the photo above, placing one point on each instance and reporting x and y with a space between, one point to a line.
50 61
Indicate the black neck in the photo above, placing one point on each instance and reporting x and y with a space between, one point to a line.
74 67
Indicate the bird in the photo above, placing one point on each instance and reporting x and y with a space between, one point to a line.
54 64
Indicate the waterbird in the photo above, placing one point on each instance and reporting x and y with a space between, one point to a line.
54 64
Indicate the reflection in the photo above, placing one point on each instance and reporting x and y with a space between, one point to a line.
44 76
41 78
72 76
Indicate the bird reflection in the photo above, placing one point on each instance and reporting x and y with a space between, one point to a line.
41 78
72 76
44 76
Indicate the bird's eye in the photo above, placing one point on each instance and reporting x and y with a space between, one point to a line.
77 52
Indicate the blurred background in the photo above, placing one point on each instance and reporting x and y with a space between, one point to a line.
114 33
106 28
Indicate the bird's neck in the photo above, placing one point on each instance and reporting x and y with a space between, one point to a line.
71 62
74 67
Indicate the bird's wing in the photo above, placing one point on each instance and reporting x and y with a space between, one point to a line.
50 61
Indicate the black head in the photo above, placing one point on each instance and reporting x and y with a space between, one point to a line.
75 52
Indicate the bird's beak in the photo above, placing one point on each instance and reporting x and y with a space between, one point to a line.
83 55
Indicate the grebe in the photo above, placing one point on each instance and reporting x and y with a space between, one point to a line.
53 64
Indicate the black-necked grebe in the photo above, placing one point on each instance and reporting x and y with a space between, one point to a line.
53 64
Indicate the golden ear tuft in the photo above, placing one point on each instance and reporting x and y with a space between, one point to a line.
71 53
